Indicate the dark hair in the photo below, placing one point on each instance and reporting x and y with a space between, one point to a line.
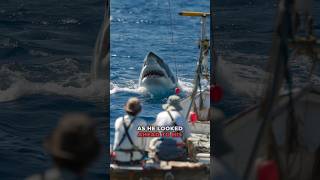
133 113
81 160
74 144
133 106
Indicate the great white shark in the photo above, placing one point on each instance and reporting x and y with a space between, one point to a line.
156 77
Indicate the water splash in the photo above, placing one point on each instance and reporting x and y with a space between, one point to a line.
127 87
63 77
24 87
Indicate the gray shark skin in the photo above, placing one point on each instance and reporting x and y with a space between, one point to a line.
100 64
156 76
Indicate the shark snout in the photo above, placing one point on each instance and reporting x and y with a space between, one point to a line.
156 75
150 62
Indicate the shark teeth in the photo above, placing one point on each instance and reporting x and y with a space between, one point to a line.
153 74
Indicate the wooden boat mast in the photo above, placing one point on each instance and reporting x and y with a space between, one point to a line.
202 70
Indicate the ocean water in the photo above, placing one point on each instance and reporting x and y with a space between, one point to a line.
243 38
140 27
46 50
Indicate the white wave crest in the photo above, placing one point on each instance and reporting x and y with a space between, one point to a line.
18 82
185 85
21 88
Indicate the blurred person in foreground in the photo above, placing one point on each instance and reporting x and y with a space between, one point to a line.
128 148
73 146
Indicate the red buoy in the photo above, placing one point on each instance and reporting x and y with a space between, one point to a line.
216 93
113 155
177 90
193 117
267 170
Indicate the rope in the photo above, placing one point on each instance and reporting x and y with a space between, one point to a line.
279 53
195 88
291 132
172 34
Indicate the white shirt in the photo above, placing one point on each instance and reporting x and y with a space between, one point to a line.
164 119
138 141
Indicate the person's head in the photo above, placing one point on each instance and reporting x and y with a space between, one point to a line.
173 103
74 144
133 106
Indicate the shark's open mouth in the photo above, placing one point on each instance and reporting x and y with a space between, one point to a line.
153 74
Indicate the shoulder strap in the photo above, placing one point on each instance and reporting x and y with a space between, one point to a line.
173 120
134 147
126 132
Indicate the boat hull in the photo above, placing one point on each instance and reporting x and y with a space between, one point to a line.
138 173
241 131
